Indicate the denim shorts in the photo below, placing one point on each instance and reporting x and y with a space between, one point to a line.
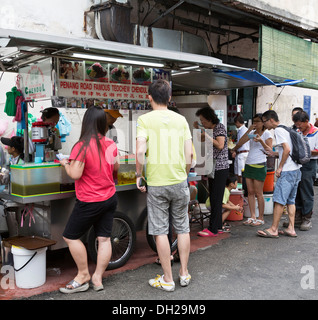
165 200
286 187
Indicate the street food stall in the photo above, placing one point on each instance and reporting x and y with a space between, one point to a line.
75 73
40 195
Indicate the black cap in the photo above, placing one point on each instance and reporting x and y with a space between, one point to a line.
15 142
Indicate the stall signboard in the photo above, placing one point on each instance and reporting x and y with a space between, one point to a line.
94 80
36 81
99 90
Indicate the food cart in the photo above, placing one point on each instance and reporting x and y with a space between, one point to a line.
40 196
46 214
74 72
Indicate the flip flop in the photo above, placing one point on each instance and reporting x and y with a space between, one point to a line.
209 233
267 234
286 233
98 288
225 229
257 223
76 287
248 222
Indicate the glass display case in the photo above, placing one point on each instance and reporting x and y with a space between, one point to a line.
127 169
35 179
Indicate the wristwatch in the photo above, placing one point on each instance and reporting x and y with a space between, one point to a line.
138 175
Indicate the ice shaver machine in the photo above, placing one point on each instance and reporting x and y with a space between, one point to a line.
41 134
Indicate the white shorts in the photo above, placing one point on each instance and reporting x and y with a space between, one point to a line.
239 163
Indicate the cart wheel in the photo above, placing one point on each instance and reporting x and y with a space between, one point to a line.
152 242
123 240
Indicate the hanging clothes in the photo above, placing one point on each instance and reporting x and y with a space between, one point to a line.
10 107
18 102
20 131
64 126
21 110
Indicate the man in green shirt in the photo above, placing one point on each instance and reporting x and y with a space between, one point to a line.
164 136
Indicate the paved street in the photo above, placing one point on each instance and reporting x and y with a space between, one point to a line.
244 267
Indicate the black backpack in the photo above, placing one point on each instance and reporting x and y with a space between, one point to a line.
301 150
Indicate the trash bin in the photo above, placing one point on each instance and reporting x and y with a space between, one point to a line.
29 267
29 260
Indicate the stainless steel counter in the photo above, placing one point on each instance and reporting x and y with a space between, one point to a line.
58 196
52 211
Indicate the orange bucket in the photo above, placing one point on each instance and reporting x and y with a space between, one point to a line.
269 182
236 215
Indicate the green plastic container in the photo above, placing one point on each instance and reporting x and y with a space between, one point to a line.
33 179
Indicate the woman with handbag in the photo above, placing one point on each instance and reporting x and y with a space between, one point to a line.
216 143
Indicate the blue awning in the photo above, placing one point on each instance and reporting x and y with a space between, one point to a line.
257 77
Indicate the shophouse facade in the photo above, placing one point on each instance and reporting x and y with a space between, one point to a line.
240 33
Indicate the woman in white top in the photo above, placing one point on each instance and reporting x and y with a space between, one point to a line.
255 166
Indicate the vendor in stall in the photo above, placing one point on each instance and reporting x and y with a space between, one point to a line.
112 115
52 115
15 149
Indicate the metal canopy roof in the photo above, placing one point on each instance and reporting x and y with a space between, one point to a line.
207 80
20 48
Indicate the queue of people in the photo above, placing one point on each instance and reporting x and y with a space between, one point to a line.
167 189
94 160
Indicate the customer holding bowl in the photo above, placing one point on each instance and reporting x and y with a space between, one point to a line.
255 167
217 143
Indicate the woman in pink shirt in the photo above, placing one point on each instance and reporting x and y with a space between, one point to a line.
92 162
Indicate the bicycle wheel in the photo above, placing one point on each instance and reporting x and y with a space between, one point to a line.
123 241
152 242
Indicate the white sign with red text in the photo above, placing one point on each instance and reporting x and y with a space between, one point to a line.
36 81
99 90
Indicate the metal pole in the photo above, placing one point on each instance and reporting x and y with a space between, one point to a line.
130 129
26 135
